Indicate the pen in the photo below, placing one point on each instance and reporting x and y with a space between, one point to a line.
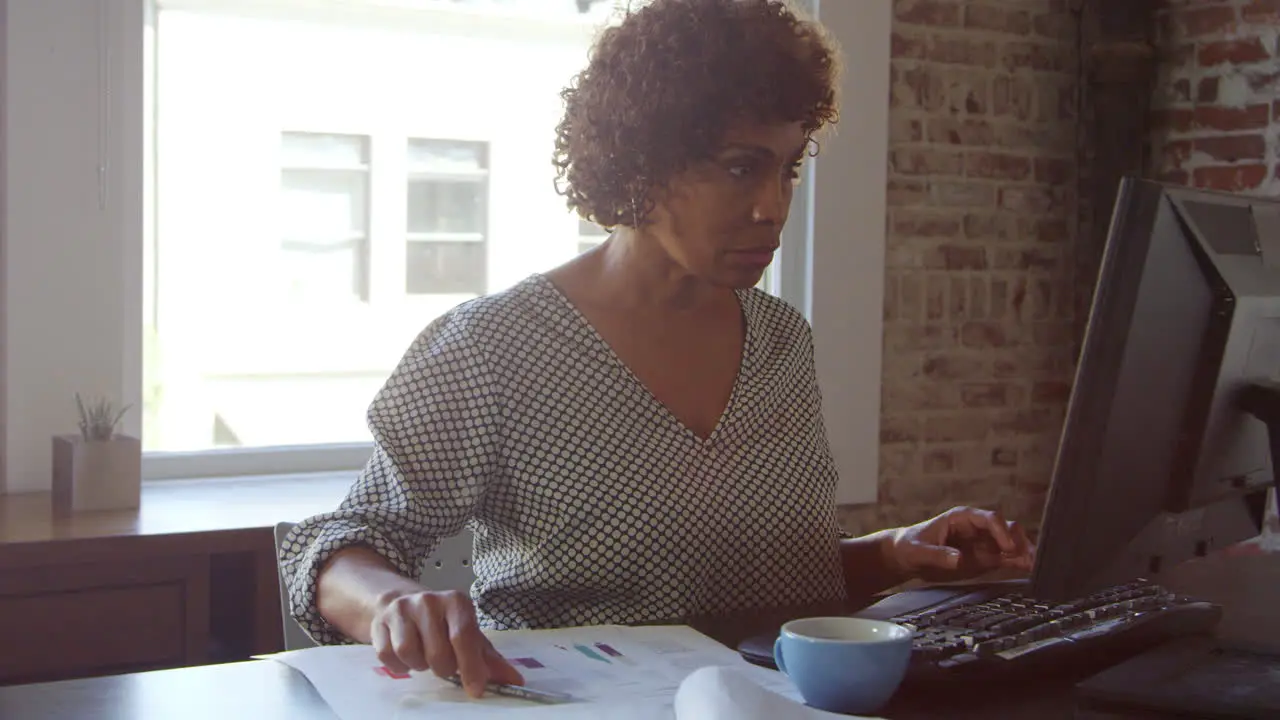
518 691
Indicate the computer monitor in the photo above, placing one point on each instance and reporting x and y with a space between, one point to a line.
1163 456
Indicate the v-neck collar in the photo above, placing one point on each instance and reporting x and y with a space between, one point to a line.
589 334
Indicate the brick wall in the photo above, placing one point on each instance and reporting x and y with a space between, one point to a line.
979 282
1217 118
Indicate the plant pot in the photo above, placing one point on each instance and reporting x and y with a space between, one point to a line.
93 475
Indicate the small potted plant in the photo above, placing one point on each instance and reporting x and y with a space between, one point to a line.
99 468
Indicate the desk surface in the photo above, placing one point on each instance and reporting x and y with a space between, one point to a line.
1248 587
272 691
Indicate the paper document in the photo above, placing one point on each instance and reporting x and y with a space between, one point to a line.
629 673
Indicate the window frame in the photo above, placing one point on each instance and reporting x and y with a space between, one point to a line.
89 66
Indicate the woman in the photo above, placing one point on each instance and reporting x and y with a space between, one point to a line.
636 435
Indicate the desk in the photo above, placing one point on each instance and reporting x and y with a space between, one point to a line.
188 578
269 690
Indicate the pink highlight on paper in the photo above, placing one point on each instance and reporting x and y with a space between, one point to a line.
388 672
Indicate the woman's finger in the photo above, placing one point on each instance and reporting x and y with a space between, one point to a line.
500 669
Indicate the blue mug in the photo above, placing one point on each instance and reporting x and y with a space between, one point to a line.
843 664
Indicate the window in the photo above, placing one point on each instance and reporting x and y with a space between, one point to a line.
448 218
282 219
590 235
324 189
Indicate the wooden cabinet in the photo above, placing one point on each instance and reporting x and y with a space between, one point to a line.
188 579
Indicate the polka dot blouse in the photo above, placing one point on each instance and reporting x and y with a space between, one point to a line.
588 500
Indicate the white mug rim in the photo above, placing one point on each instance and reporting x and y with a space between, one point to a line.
897 633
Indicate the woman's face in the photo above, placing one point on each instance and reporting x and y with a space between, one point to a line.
721 219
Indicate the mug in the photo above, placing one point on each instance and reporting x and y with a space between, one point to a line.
843 664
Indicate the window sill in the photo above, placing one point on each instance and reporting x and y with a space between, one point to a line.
205 505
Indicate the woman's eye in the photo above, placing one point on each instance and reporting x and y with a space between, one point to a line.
740 171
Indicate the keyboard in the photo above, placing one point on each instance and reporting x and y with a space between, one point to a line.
998 631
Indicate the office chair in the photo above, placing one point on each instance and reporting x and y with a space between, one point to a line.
448 568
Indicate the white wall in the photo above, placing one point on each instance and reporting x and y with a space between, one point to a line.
846 279
73 202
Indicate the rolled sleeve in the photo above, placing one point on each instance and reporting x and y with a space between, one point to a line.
436 425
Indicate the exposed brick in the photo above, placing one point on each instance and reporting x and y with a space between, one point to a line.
890 305
960 131
1050 392
918 88
917 396
990 226
976 334
1054 171
1019 363
979 303
1176 152
1233 52
1019 56
1051 334
963 51
952 366
905 130
1200 22
909 46
1029 421
964 194
997 166
1264 82
1178 120
899 429
990 394
999 298
955 257
1057 101
939 460
1044 229
1175 93
941 13
1232 148
1056 25
1029 200
1004 457
1229 178
925 224
1012 97
935 297
981 16
1213 117
958 297
900 338
1042 257
906 192
968 91
1261 12
1207 90
947 428
979 294
926 162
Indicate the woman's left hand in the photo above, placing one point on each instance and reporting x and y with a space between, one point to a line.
960 543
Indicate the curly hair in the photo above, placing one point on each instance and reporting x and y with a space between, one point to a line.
661 88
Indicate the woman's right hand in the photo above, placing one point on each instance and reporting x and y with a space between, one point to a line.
438 631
